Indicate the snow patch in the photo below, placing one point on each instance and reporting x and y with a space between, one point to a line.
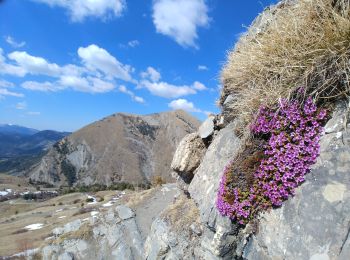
34 226
108 204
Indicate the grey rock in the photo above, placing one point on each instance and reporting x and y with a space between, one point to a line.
69 227
196 228
207 127
218 233
227 109
156 245
66 256
188 156
124 212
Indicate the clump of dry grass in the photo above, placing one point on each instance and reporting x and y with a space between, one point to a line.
304 44
182 213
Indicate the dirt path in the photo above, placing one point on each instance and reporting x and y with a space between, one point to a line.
151 207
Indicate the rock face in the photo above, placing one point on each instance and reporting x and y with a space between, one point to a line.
207 128
188 156
121 231
119 148
113 235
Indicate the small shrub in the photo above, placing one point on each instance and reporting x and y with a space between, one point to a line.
158 181
89 200
60 203
292 134
83 211
20 231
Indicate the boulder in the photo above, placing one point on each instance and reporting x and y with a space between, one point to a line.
188 156
207 127
124 212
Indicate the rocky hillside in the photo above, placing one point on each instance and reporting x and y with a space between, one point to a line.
118 148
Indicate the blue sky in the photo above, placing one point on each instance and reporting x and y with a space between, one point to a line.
65 64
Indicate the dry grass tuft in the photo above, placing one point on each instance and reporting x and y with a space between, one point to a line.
304 44
84 233
182 213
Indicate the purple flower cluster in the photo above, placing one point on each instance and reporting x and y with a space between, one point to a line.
293 146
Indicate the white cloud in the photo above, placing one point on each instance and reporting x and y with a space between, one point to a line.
202 67
187 106
34 65
183 104
14 43
152 74
6 92
41 86
166 90
133 43
79 10
6 84
6 68
138 99
180 19
97 75
199 86
98 59
21 105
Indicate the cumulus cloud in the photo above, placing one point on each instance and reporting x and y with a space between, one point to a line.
7 68
14 43
202 67
137 99
97 74
6 84
34 65
6 92
166 90
180 19
187 106
183 104
152 74
199 86
98 59
41 86
79 10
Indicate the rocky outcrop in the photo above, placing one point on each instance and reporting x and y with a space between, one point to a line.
119 148
174 234
188 156
113 235
121 231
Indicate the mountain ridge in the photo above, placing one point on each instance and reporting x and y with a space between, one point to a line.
119 148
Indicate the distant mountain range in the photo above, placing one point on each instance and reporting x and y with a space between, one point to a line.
22 147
